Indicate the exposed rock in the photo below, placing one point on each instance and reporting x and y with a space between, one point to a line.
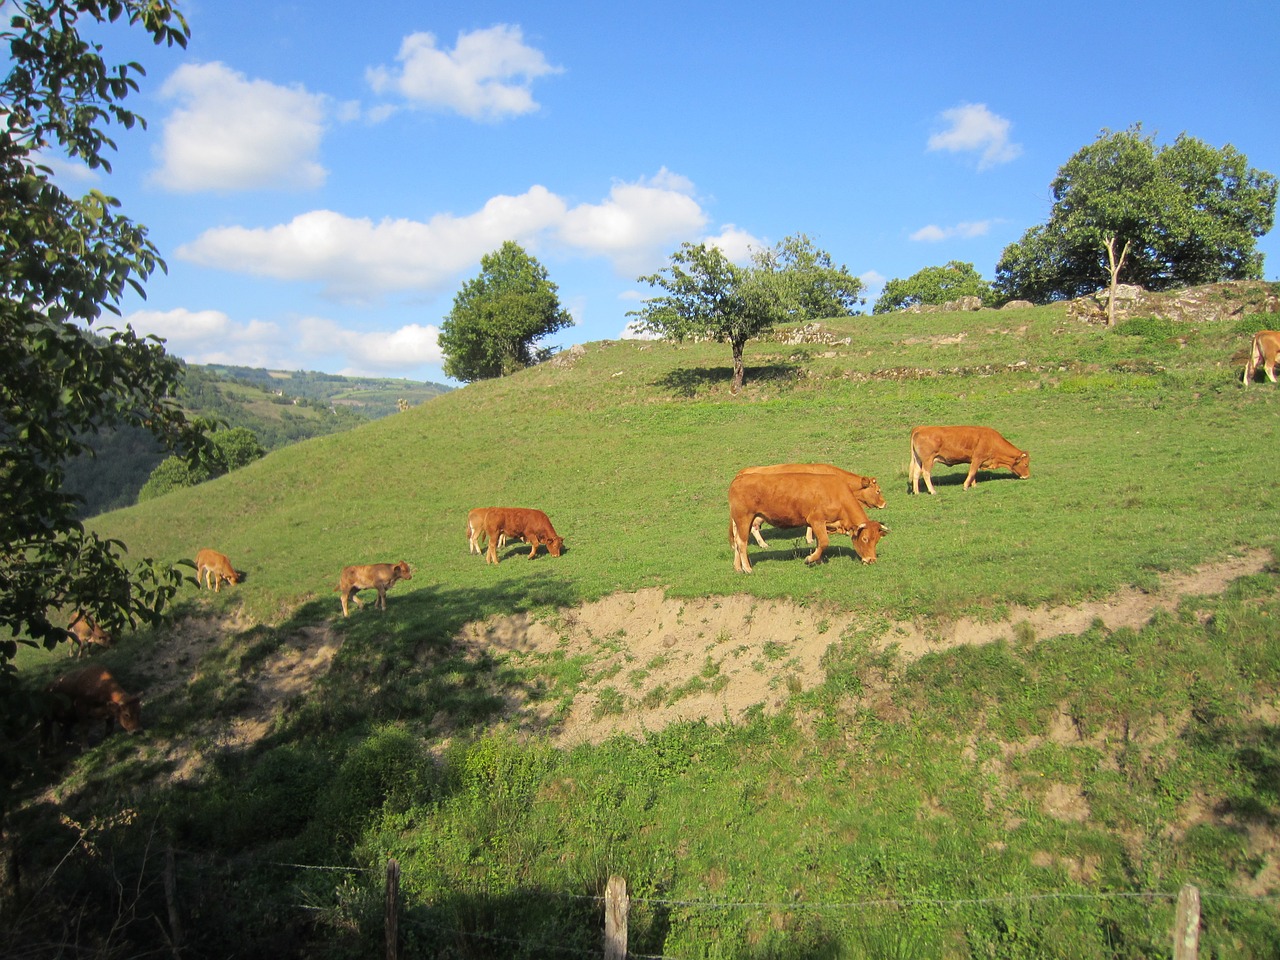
1017 305
1213 301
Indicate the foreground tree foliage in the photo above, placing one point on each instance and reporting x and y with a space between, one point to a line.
65 260
933 286
708 295
498 316
1186 214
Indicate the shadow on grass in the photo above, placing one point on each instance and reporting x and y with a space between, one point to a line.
955 478
688 382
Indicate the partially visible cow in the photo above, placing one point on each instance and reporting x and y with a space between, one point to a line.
476 535
372 576
866 489
980 447
822 502
520 523
214 567
1264 352
84 632
89 696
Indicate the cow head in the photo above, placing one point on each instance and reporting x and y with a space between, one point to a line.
129 713
555 546
1021 466
870 493
865 538
401 571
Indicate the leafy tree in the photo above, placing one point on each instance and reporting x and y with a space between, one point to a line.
707 295
63 261
231 450
813 287
933 285
499 315
1186 213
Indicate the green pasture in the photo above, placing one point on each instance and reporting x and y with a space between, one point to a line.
929 808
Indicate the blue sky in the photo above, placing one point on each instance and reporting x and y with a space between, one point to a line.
322 178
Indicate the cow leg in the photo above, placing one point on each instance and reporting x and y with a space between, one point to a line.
738 532
926 471
756 524
382 598
819 527
534 550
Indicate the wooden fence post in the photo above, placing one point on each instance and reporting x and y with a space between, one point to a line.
617 905
1186 925
393 909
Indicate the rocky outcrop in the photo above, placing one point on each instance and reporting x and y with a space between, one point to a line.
1212 301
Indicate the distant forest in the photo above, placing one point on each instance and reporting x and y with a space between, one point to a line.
279 407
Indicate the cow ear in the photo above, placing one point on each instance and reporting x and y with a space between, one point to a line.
859 529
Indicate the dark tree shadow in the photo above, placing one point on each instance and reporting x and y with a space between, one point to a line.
687 382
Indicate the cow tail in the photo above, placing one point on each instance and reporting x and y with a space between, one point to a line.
913 468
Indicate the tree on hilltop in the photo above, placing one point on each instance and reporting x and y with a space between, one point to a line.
707 295
1168 216
65 260
498 316
933 286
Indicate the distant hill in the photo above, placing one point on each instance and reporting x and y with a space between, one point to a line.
373 397
280 407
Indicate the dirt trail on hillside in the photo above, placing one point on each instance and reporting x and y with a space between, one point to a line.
649 661
659 661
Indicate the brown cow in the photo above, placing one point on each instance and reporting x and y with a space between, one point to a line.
865 489
214 567
520 523
372 576
476 533
1264 352
976 446
821 502
85 631
89 695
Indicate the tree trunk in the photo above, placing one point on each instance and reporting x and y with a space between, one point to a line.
1114 266
739 372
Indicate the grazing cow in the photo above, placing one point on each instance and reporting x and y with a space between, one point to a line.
372 576
214 567
821 502
520 523
865 489
84 631
976 446
88 696
476 533
1264 352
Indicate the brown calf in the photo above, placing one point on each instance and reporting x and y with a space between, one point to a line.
1264 352
215 567
88 696
85 631
976 446
372 576
520 523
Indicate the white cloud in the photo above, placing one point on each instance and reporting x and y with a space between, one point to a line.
736 244
972 128
357 259
232 133
377 351
636 222
964 230
360 260
487 75
210 336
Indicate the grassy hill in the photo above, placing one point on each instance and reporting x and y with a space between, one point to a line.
857 780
